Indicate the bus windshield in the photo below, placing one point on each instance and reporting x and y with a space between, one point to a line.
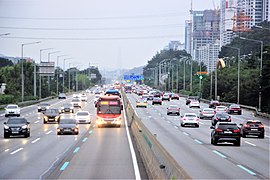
109 107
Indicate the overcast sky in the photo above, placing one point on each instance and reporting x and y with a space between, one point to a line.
110 34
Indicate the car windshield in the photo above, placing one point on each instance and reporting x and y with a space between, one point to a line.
256 122
67 121
52 111
82 113
75 100
17 121
223 115
12 107
208 110
67 105
173 106
227 126
235 106
190 115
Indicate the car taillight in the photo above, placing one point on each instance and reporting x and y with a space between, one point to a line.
261 126
184 119
178 108
246 126
229 119
216 119
218 130
170 108
197 119
236 131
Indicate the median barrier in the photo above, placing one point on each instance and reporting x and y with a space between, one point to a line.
158 162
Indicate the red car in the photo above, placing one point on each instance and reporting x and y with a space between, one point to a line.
175 96
235 108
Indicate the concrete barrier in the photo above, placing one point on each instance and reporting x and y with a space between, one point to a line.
158 162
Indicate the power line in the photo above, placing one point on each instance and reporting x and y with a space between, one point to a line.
93 39
96 18
93 29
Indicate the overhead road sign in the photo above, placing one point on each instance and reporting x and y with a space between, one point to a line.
46 68
133 77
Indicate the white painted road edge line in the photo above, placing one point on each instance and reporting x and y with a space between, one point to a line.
14 152
250 143
36 122
49 132
36 140
133 155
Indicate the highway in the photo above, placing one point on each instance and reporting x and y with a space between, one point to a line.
96 153
192 149
105 153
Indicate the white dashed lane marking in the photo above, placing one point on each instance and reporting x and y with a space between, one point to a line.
18 150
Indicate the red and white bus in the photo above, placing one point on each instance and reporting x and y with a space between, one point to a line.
109 111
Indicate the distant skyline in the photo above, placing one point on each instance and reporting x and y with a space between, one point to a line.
108 34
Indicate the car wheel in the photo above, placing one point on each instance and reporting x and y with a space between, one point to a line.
6 135
182 125
58 133
18 115
238 143
240 113
6 115
197 125
214 142
44 122
244 135
261 136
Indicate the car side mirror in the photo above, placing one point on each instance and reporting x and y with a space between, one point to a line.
212 127
5 122
241 124
181 116
28 122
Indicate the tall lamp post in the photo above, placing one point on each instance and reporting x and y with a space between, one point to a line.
40 57
64 72
261 59
57 73
22 73
49 77
238 73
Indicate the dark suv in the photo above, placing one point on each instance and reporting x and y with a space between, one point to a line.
51 115
226 132
221 117
252 127
16 127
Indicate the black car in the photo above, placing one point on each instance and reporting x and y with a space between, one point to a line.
67 108
221 117
252 127
213 104
67 126
225 132
51 115
16 126
43 106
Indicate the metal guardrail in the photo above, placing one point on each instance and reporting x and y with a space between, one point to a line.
158 162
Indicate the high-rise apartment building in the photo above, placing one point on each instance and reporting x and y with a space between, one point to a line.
205 35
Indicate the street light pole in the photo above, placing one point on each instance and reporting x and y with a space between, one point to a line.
64 73
22 72
261 66
49 77
57 73
40 57
238 73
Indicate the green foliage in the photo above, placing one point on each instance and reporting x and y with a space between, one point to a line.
5 62
7 99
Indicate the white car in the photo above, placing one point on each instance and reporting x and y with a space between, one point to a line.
12 110
189 119
76 102
194 103
83 97
221 109
83 117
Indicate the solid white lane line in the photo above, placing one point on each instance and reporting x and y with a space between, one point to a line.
267 136
133 155
201 123
36 122
14 152
49 132
250 143
36 140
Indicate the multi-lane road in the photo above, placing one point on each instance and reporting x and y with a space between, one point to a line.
192 149
96 153
107 153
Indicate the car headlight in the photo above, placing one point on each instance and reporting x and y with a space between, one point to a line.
24 126
39 107
45 117
6 127
56 117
